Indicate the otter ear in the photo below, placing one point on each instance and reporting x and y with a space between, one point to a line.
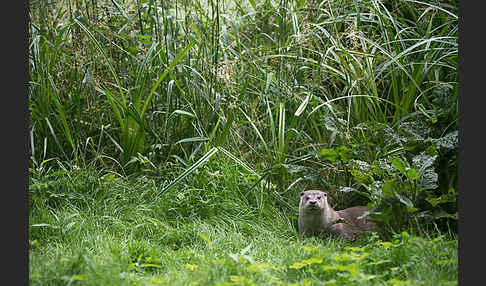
301 194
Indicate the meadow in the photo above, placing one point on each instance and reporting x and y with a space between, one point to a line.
170 140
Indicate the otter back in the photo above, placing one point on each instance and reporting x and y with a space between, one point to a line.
353 226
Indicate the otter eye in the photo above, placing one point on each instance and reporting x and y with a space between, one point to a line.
306 198
318 197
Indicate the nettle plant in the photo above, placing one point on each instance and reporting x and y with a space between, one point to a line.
407 175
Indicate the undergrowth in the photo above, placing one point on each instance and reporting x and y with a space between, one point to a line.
97 229
169 140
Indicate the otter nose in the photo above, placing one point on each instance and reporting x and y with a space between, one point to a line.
312 202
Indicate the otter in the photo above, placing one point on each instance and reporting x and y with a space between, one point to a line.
318 218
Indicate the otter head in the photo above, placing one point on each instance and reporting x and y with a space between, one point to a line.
313 200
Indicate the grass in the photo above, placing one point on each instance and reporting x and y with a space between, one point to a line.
258 76
89 228
169 140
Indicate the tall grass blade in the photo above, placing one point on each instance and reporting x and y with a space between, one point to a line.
103 54
164 74
189 170
55 137
281 133
192 140
65 127
238 161
302 106
265 145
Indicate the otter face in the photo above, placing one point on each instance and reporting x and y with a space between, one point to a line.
313 199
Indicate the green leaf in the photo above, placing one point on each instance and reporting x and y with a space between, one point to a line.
389 187
150 265
398 164
192 140
344 153
191 266
353 269
450 141
329 154
428 178
302 106
412 174
407 202
181 112
451 196
281 133
433 201
306 262
381 216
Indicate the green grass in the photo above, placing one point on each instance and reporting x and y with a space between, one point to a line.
89 228
257 76
169 140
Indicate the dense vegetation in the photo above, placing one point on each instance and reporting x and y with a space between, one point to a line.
169 140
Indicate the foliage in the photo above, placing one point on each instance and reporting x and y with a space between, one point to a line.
400 178
94 229
270 80
165 134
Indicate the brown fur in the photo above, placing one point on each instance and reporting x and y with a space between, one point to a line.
318 218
